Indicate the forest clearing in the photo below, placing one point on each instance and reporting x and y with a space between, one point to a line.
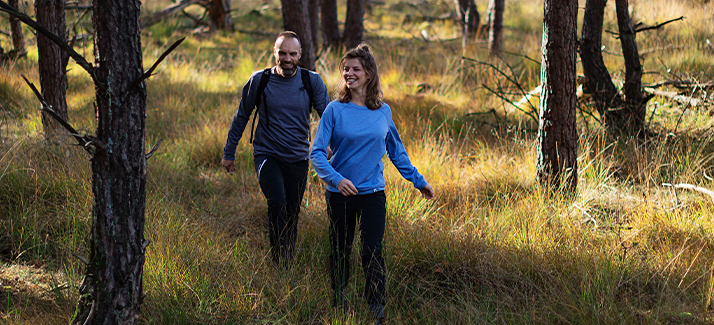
633 244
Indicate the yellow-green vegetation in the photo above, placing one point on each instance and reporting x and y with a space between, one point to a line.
493 247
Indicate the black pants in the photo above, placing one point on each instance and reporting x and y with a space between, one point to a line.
283 185
344 212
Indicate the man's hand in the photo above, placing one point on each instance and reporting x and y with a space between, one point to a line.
229 165
427 192
346 187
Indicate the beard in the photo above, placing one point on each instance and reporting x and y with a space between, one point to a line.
285 69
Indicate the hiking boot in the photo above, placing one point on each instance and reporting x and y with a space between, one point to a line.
377 311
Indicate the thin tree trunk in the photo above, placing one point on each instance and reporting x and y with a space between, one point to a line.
18 39
635 100
330 24
51 61
495 30
296 18
556 165
314 23
354 23
112 290
597 79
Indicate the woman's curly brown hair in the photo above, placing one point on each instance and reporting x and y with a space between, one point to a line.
373 87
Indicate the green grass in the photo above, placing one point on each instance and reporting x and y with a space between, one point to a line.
493 247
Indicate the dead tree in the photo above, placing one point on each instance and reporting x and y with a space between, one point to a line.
52 63
296 18
556 166
112 289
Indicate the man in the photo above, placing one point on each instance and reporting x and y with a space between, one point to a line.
281 145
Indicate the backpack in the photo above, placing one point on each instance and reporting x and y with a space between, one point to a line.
306 85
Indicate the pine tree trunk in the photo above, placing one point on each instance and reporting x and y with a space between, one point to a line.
597 79
296 18
635 101
495 29
314 23
112 290
556 165
330 24
354 24
51 61
18 39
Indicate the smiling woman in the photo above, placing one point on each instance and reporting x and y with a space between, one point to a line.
359 128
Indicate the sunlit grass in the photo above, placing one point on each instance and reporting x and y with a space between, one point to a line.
493 247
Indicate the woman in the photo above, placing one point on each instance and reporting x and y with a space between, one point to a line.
359 129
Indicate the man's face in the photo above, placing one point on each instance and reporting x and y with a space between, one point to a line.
287 54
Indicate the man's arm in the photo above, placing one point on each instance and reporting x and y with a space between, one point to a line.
320 96
240 120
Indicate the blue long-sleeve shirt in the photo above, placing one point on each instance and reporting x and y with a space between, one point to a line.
283 127
359 138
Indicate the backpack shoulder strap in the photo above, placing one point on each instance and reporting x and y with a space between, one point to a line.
307 84
258 97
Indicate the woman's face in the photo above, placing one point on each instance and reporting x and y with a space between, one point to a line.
354 74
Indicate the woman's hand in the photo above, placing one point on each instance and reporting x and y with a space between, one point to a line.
427 192
346 187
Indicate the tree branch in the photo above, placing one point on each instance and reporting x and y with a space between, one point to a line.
153 149
52 36
88 143
658 26
148 73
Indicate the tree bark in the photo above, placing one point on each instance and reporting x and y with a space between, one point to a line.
495 30
635 100
597 79
219 12
556 165
112 290
314 23
354 24
52 64
18 39
330 24
296 18
468 16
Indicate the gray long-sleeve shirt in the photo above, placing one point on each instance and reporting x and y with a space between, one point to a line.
283 128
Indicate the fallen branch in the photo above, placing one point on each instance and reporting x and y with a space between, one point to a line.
157 17
682 84
693 188
673 96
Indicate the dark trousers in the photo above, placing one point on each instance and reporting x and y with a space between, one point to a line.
283 185
345 212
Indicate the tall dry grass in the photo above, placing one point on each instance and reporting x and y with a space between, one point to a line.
493 247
